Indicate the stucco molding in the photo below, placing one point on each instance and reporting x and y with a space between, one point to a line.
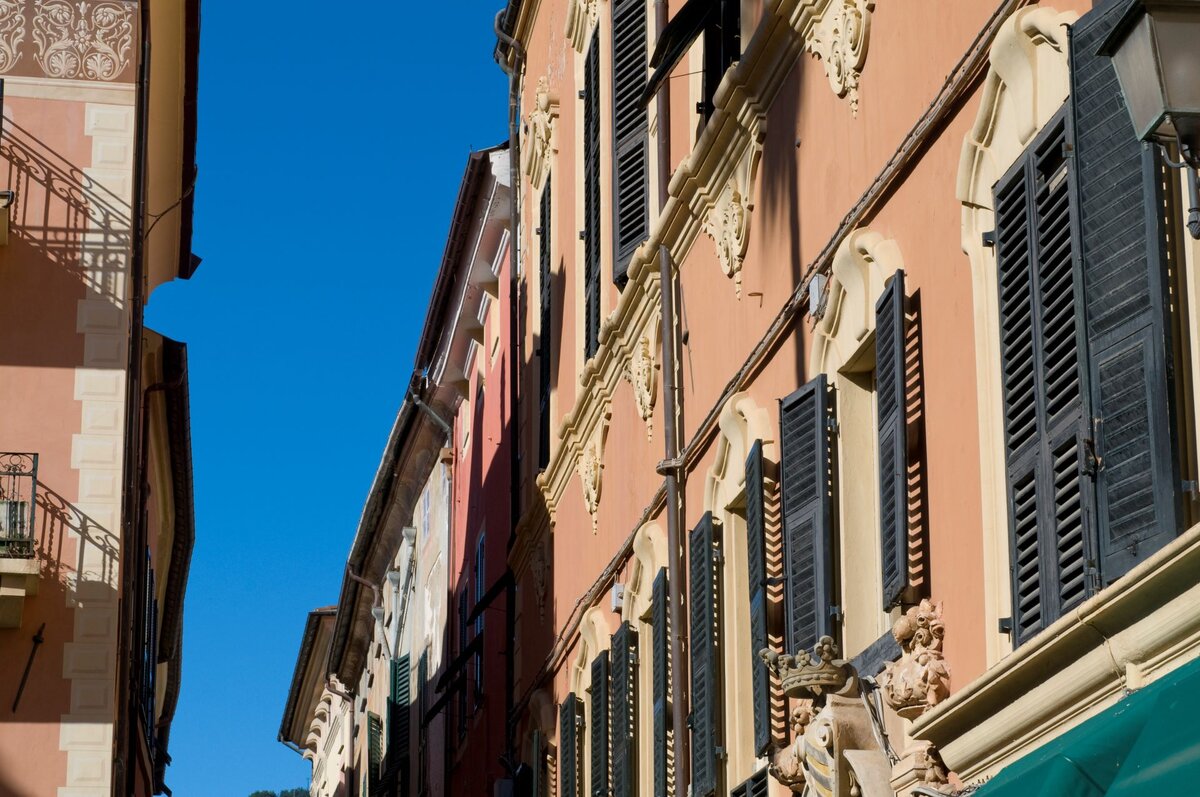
920 680
1135 631
840 41
857 278
649 556
590 466
741 423
1027 82
540 144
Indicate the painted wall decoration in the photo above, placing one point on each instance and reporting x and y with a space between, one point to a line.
69 39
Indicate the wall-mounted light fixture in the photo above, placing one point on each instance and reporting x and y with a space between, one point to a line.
1155 48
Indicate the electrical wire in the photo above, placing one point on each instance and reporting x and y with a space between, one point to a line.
157 217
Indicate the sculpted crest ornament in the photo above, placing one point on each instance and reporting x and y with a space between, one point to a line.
728 220
840 41
539 128
591 467
80 39
640 371
920 679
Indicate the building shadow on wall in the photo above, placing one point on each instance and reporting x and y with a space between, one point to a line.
77 564
69 239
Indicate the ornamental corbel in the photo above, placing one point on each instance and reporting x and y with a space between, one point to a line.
591 471
641 371
728 220
920 679
840 40
539 134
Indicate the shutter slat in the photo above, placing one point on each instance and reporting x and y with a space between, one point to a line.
600 726
1125 284
569 733
892 439
702 632
631 147
756 560
591 195
805 419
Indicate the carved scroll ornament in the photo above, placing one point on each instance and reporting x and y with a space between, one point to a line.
591 469
641 371
840 40
920 679
728 220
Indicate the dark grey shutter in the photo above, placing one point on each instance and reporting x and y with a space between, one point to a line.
805 422
1122 243
545 348
893 439
600 726
660 677
1050 523
570 729
756 561
754 786
537 780
631 144
591 195
624 711
702 572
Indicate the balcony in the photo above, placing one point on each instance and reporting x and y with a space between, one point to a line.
18 566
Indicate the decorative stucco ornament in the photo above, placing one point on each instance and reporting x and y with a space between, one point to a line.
641 372
728 220
920 679
812 675
12 32
840 40
537 566
787 764
539 132
79 39
581 16
591 467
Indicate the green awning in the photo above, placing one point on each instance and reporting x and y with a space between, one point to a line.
1147 744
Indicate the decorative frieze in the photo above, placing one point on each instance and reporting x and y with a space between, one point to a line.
82 40
12 32
840 40
539 134
920 680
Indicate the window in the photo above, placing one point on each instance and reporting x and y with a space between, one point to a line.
480 590
591 197
722 47
631 144
1092 467
426 501
462 648
545 319
623 694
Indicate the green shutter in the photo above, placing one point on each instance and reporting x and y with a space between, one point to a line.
631 139
805 422
570 729
1125 287
660 678
600 725
704 661
756 561
374 754
398 713
591 195
624 711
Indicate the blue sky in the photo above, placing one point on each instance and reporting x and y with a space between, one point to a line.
330 152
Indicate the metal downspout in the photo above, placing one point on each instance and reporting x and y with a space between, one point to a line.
671 467
514 350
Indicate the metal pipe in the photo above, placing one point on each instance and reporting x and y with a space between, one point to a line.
421 405
514 350
673 475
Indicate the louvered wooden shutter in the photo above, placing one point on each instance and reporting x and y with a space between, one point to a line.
1122 242
538 782
545 346
1050 532
702 572
374 754
756 560
569 732
754 786
399 724
893 439
660 677
600 725
591 195
805 421
631 145
624 712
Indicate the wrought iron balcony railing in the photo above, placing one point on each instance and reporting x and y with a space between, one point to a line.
18 492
